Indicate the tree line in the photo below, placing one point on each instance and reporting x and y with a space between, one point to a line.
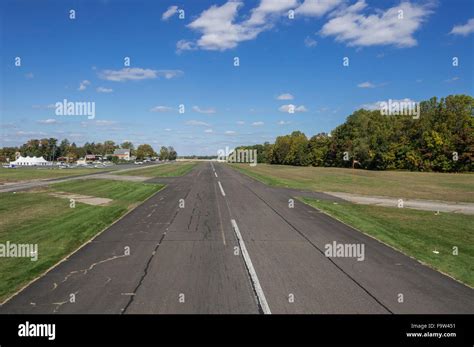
51 150
441 139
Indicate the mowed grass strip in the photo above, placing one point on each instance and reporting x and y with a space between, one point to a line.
401 184
162 170
25 174
415 233
38 218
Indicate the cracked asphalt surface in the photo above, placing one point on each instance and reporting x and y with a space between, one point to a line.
167 258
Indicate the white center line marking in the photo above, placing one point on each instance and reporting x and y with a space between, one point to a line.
215 174
258 289
222 189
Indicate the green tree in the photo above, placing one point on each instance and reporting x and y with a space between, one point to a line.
144 151
164 153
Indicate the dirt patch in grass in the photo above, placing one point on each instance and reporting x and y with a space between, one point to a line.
85 199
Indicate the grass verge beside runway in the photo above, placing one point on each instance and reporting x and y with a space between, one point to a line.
162 170
415 233
400 184
35 217
26 174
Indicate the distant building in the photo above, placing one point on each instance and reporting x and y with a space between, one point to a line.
30 161
92 157
123 154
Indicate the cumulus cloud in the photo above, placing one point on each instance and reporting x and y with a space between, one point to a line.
288 108
220 30
83 85
257 124
464 29
210 110
209 131
317 8
268 8
285 96
394 26
185 45
230 132
136 73
170 12
282 122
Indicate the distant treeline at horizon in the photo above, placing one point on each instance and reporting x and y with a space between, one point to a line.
441 139
51 149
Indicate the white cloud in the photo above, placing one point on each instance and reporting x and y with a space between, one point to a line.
169 74
136 73
366 85
310 42
168 129
48 121
83 85
285 96
317 8
197 123
268 8
230 132
219 29
104 90
209 131
210 110
287 108
240 122
464 29
257 124
380 28
161 109
185 45
170 12
282 122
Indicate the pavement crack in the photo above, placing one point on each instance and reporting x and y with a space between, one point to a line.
142 278
85 271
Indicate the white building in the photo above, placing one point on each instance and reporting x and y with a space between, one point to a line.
123 154
30 161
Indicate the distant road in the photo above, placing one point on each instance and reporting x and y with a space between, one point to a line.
216 241
14 187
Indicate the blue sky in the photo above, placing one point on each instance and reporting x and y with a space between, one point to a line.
190 61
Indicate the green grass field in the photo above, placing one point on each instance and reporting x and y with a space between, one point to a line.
415 233
162 170
401 184
25 174
36 217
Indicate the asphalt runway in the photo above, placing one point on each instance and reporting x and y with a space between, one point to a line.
216 241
